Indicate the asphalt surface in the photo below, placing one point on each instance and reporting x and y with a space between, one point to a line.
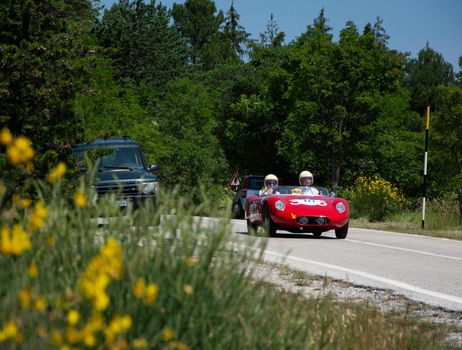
424 269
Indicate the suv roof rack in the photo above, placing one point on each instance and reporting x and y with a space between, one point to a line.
124 141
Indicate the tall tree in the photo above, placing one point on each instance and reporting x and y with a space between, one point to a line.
199 23
333 88
142 42
424 75
445 155
272 36
190 153
45 56
235 33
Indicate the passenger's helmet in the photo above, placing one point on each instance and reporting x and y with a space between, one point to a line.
306 175
271 180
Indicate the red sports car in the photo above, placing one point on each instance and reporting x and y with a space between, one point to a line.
298 209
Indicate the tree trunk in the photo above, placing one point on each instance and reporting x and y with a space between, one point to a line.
335 174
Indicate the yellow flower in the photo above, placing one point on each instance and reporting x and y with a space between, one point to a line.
30 167
151 293
79 199
5 137
140 287
117 325
14 241
98 274
188 289
40 304
41 332
178 345
167 334
37 216
9 331
24 203
140 343
21 203
56 173
24 298
56 337
94 324
101 301
32 270
89 340
73 336
73 317
20 151
191 261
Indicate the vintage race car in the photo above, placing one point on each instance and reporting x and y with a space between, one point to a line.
298 209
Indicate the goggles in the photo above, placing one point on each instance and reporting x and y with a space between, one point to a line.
271 183
308 178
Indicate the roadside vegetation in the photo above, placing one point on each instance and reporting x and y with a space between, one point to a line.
68 282
377 204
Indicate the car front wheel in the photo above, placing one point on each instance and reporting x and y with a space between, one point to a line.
342 232
251 228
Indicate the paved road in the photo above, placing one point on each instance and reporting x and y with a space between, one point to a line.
426 269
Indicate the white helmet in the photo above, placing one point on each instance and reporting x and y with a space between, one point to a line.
306 174
271 180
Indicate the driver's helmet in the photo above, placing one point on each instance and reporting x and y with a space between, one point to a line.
271 181
305 178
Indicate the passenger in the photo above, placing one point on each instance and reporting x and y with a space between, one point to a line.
306 181
269 185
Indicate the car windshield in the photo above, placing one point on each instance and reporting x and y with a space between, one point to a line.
303 190
124 158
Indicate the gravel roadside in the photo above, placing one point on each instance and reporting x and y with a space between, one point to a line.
302 283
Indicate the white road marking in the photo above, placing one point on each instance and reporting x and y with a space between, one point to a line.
395 283
406 249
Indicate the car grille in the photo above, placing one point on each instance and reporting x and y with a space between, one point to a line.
312 220
128 190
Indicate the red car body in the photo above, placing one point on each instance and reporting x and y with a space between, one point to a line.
296 212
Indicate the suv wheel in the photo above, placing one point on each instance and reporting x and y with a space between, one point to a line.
238 212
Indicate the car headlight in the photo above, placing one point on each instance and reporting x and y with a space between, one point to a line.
280 205
149 187
340 207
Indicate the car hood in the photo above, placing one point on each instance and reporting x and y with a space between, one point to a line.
123 176
314 205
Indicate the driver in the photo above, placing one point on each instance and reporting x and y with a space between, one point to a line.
306 181
270 185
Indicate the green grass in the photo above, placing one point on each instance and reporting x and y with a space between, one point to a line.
207 296
441 220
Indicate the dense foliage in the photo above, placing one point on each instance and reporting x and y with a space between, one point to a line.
204 99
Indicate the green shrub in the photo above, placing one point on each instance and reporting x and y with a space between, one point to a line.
375 198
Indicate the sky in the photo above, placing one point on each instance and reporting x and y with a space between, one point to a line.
409 23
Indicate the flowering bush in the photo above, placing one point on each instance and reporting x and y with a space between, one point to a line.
375 198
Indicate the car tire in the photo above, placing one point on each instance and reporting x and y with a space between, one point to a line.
238 211
251 228
342 232
268 225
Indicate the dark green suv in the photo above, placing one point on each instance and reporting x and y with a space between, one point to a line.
121 169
